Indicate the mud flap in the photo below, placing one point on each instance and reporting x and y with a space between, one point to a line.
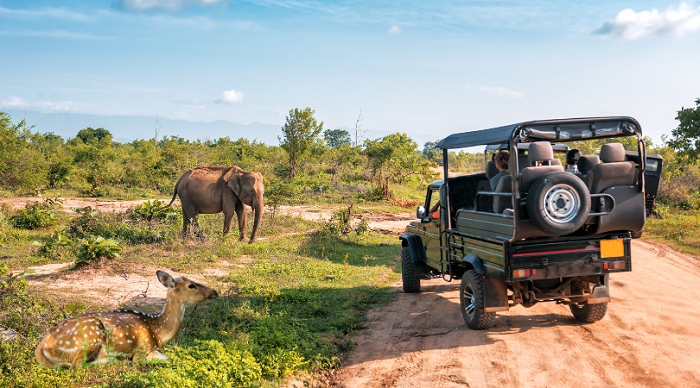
495 295
601 294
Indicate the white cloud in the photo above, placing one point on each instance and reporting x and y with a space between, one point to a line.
230 97
497 90
152 5
629 25
395 30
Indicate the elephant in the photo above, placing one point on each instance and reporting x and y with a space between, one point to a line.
210 190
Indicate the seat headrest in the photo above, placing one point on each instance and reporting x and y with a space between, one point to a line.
612 152
587 162
491 170
540 150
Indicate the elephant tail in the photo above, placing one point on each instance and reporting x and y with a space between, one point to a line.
174 193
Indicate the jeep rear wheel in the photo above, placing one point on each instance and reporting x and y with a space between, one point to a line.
471 300
409 271
558 203
588 313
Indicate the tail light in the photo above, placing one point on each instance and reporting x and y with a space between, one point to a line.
523 273
614 265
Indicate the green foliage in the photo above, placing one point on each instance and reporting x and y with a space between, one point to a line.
204 364
52 247
279 193
152 210
37 214
394 158
431 152
686 137
89 135
299 134
21 165
337 137
20 309
96 247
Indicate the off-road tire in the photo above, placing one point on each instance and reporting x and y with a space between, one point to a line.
471 300
409 271
558 203
588 313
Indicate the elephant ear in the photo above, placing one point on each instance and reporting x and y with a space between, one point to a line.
234 182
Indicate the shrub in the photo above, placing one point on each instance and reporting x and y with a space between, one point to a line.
21 311
152 210
97 247
51 248
37 214
85 223
205 364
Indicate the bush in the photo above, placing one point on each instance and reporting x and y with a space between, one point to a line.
205 364
152 210
97 247
37 214
52 247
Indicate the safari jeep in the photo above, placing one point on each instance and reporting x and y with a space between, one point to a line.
542 234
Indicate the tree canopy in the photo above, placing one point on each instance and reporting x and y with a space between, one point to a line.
299 134
686 137
337 137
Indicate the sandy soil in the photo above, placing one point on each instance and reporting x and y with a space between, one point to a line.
105 206
648 338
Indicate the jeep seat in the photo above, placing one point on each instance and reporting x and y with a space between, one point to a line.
586 163
614 171
491 170
501 203
540 151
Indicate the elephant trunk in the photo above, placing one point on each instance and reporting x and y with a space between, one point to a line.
258 209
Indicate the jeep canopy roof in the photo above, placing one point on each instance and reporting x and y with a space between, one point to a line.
556 130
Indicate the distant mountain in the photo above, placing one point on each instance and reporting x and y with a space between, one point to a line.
128 128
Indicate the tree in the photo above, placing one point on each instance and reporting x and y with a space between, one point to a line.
431 152
686 137
300 132
87 134
337 137
394 157
21 166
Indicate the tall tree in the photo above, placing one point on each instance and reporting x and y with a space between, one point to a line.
686 138
299 133
337 137
87 134
394 157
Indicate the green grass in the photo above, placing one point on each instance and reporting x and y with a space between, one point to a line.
676 227
288 303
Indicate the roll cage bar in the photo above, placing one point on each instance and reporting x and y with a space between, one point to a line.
562 130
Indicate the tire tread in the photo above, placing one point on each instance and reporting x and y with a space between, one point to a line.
411 284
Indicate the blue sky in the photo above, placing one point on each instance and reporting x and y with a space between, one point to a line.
410 66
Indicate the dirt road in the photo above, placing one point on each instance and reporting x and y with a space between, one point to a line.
650 337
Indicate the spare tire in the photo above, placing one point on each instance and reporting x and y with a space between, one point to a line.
558 203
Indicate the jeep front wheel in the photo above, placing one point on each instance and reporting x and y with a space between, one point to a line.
409 272
471 300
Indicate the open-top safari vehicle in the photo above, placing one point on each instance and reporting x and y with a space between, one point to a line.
542 234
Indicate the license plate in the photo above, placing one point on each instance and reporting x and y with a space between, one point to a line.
611 248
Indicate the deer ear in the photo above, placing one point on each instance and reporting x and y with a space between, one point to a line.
165 279
234 182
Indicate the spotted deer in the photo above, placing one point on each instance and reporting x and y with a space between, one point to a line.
98 338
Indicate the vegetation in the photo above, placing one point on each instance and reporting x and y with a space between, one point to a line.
289 302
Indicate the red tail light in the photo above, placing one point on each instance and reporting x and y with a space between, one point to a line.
614 265
523 273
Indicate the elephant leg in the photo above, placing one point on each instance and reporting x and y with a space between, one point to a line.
228 218
241 213
189 219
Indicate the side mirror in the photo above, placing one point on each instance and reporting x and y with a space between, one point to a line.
420 212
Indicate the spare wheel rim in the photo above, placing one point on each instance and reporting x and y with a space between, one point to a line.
561 203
